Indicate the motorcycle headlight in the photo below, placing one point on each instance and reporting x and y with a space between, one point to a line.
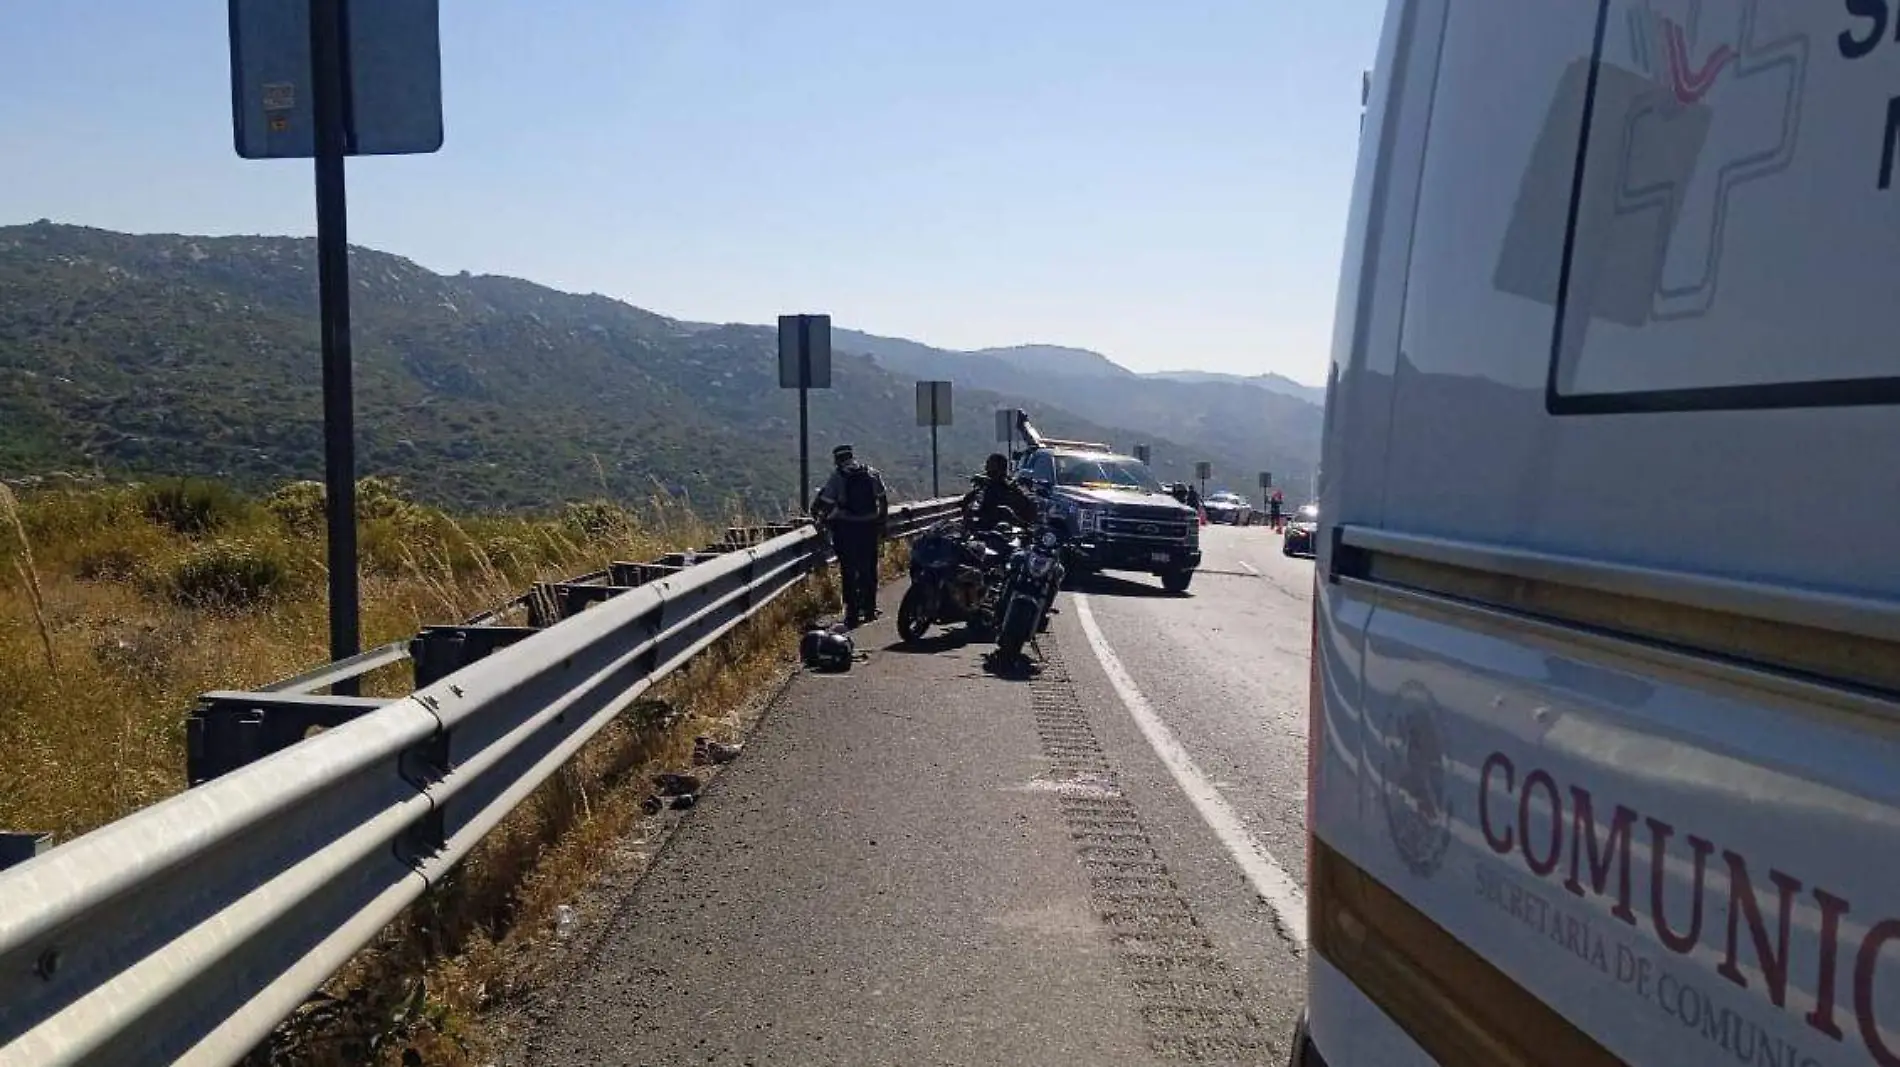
1040 565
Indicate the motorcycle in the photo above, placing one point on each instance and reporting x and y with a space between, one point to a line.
1033 576
956 578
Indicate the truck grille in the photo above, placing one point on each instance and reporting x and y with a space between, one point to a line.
1145 529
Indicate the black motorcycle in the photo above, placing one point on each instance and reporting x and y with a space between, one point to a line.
956 578
1031 580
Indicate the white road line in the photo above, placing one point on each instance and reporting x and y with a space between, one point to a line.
1269 879
1249 568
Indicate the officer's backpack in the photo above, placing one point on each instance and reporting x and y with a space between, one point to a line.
860 491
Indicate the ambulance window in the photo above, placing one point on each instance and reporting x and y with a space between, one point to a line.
1730 240
1494 191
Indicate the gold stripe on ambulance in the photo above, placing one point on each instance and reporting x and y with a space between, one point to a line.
1457 1006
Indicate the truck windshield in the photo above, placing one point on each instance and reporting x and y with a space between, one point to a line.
1107 471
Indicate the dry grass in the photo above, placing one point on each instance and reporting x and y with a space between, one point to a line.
119 606
115 615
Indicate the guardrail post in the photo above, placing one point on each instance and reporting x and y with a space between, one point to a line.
439 651
17 847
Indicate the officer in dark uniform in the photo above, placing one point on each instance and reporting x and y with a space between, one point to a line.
854 505
996 499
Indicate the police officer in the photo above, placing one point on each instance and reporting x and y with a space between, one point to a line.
996 499
853 504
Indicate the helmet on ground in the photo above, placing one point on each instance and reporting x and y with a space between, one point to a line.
824 650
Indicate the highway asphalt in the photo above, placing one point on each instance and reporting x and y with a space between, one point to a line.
919 863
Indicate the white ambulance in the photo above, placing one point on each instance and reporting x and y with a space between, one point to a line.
1605 749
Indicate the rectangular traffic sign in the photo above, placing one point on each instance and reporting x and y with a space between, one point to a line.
1266 479
393 60
1144 453
804 351
1203 470
1005 425
933 404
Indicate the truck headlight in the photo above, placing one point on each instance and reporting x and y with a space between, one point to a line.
1088 520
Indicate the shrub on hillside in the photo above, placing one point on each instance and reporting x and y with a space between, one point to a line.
382 498
597 520
232 574
192 507
299 506
302 506
65 516
118 553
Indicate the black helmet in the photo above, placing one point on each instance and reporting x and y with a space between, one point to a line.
997 466
824 650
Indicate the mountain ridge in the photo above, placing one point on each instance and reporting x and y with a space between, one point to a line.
127 354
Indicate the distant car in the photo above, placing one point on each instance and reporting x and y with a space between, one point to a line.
1229 508
1301 528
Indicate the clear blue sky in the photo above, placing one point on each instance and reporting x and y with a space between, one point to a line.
1164 182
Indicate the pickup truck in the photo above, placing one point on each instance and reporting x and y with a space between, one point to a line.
1116 514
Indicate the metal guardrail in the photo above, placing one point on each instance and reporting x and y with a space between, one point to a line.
229 729
187 931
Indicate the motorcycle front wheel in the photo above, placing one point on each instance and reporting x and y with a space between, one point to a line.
916 613
1019 625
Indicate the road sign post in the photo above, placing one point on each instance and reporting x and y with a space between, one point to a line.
804 364
1203 471
333 298
1144 453
1006 431
324 80
933 410
1266 483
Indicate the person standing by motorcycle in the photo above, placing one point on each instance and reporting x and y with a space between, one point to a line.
853 504
996 499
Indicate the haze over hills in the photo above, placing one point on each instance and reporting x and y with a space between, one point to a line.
1273 383
164 354
1272 425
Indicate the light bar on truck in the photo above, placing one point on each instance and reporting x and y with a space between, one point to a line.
1037 439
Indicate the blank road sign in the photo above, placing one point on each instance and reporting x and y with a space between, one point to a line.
812 333
1144 453
1203 470
393 60
933 403
1005 425
1266 479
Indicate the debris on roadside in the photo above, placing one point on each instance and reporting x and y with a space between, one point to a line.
706 751
676 785
685 801
652 805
